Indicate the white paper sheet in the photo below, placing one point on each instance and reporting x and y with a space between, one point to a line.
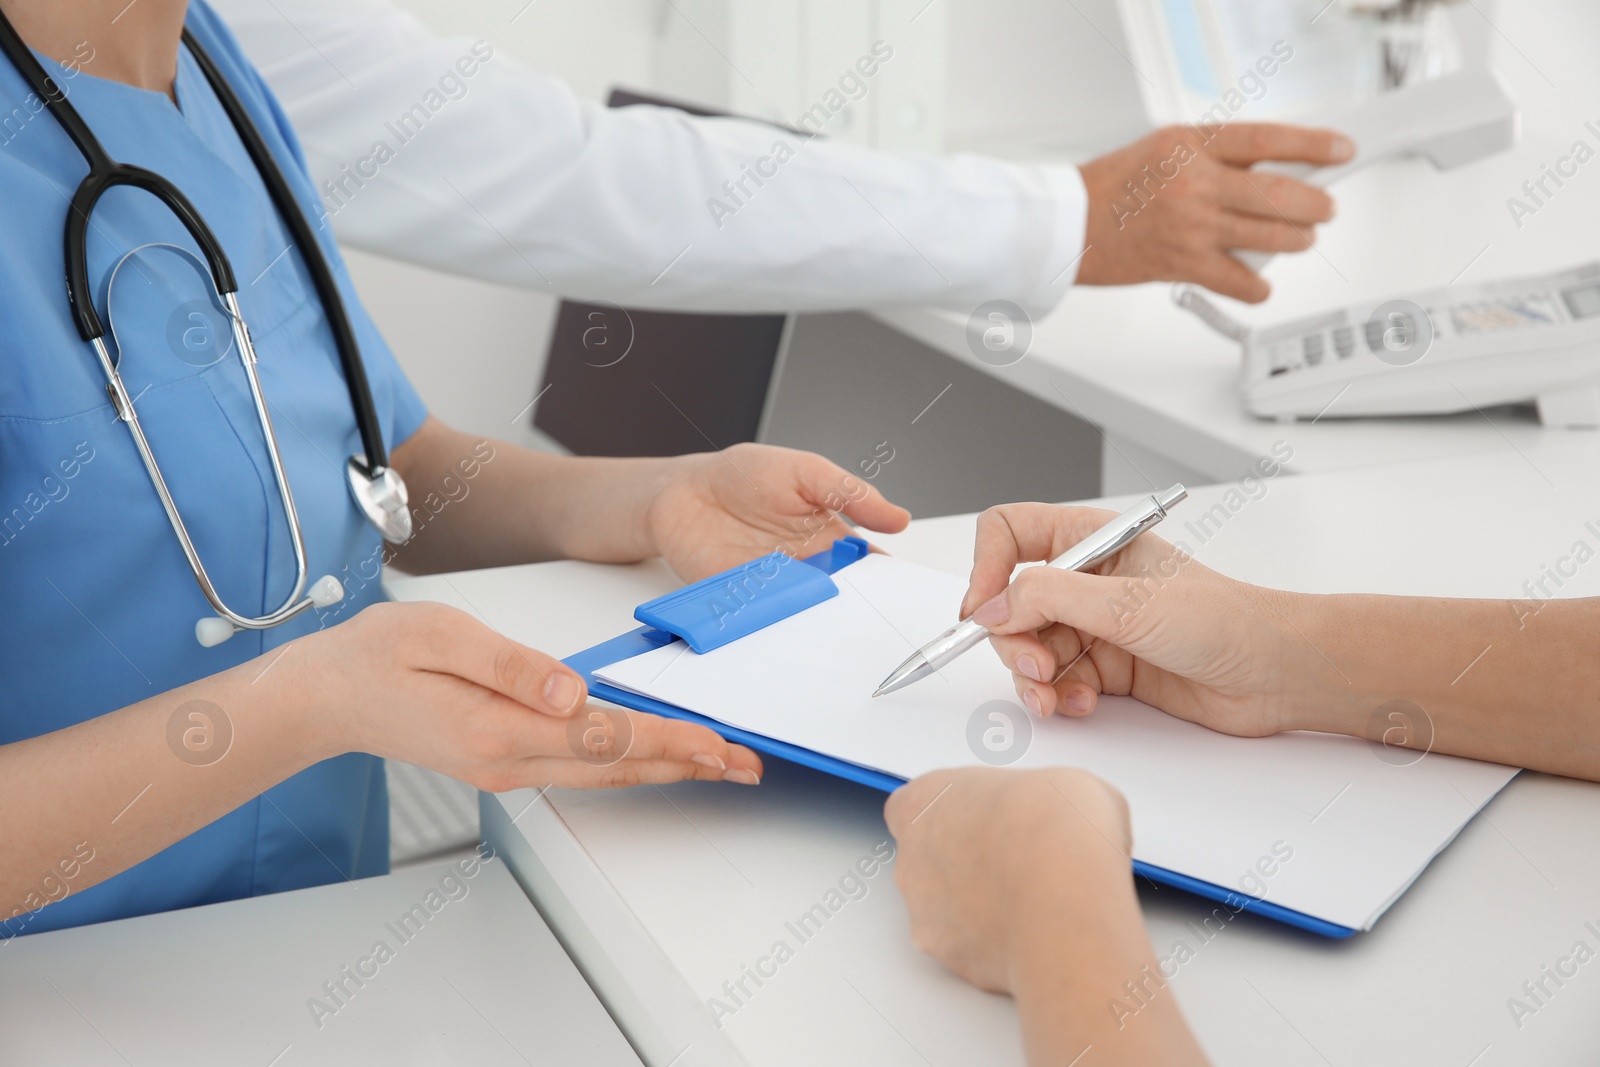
1361 827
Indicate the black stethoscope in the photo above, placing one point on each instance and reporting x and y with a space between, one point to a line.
378 490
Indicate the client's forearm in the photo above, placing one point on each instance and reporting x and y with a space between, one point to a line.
1514 682
1086 980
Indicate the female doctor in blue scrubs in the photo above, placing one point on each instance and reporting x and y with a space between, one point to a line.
110 808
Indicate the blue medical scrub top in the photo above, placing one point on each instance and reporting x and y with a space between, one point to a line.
100 603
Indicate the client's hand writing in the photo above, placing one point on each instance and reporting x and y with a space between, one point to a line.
1153 624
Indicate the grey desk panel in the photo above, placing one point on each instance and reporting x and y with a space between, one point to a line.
481 982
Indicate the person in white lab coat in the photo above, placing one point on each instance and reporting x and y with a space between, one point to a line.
446 153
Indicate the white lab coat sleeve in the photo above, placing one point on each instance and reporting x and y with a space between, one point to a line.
445 153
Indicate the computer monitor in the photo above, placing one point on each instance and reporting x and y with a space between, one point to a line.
624 382
1217 61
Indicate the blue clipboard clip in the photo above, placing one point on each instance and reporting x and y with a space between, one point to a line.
719 610
736 603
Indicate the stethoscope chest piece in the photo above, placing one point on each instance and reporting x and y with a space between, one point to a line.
382 498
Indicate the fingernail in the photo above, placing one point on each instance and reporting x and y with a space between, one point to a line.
1028 668
705 759
1031 699
562 692
1342 149
742 776
1079 701
994 612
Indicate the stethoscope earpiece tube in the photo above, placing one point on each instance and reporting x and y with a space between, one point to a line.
88 194
105 173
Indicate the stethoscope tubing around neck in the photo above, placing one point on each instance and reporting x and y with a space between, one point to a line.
322 279
376 489
106 173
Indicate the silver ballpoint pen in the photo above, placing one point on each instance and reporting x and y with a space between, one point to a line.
1106 541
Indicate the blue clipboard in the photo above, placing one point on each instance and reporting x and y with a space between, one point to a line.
740 601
